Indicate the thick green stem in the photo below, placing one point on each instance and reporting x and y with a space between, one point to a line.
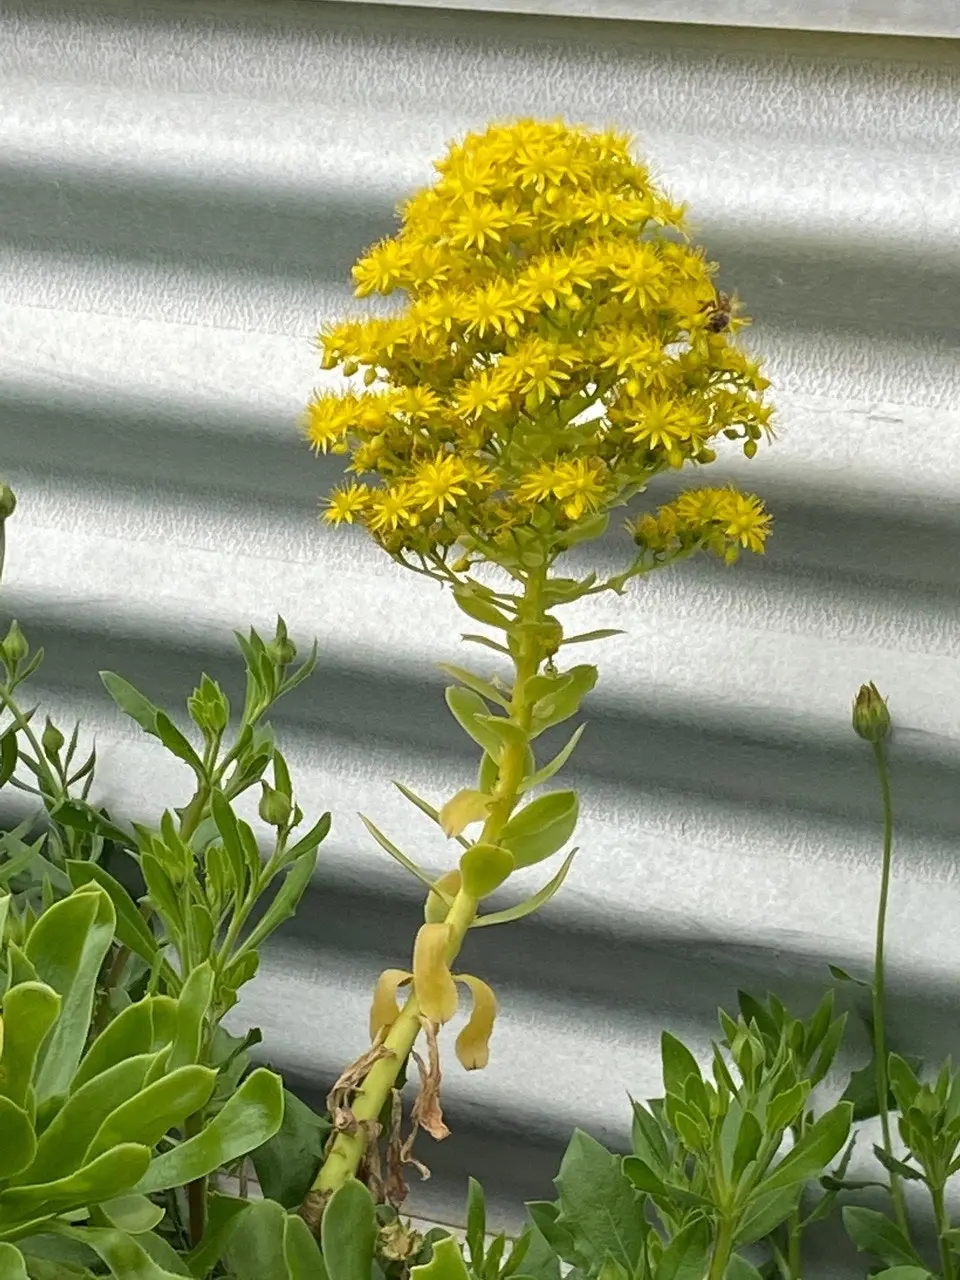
794 1245
346 1151
879 987
722 1248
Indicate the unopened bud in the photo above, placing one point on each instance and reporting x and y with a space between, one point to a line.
14 647
52 740
871 719
274 806
750 448
8 501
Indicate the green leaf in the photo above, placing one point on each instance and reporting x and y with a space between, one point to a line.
255 1249
131 928
828 1051
480 610
131 701
18 1143
223 1213
816 1148
300 1250
287 1163
476 1223
247 1120
12 1265
841 975
426 807
487 643
560 705
407 863
484 687
105 1178
67 946
446 1264
125 1256
470 712
875 1233
142 1028
739 1269
604 633
348 1233
29 1011
9 755
156 1109
765 1212
80 816
599 1205
531 904
193 1005
66 1139
904 1273
314 837
296 881
645 1178
484 868
554 766
785 1107
678 1064
648 1139
687 1256
135 1214
177 744
541 828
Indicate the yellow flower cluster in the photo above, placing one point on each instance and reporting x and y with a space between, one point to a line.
719 520
560 343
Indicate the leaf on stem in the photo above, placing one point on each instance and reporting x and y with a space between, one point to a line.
407 863
425 807
526 908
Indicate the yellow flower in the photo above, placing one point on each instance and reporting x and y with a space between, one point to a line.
660 424
439 482
343 504
535 366
538 485
483 394
382 270
325 421
746 520
641 275
478 223
497 308
580 485
390 508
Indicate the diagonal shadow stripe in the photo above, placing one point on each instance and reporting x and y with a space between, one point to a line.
765 771
816 284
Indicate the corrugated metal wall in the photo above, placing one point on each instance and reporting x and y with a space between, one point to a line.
183 188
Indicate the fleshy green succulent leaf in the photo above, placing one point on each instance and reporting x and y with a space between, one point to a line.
105 1178
348 1233
12 1265
30 1010
125 1255
18 1142
484 868
246 1121
131 928
66 947
541 828
530 905
446 1263
471 712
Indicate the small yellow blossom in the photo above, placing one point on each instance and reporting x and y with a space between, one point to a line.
326 421
390 508
344 504
439 482
580 485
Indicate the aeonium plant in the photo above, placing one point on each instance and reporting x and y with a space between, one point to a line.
560 343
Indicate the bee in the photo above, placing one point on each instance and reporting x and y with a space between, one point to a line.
718 312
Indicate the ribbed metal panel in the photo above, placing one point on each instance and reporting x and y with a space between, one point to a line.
183 189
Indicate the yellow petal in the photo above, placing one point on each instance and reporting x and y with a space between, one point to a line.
384 1011
432 981
435 909
460 810
473 1042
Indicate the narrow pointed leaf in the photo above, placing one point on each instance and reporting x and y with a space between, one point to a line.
532 904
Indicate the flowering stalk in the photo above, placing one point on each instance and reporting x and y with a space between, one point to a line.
347 1150
562 345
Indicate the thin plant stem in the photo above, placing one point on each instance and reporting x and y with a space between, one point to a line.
879 987
794 1245
942 1225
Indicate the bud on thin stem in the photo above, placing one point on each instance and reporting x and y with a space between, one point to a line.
871 718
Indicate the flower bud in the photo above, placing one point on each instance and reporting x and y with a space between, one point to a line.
14 647
274 806
8 501
52 740
871 719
